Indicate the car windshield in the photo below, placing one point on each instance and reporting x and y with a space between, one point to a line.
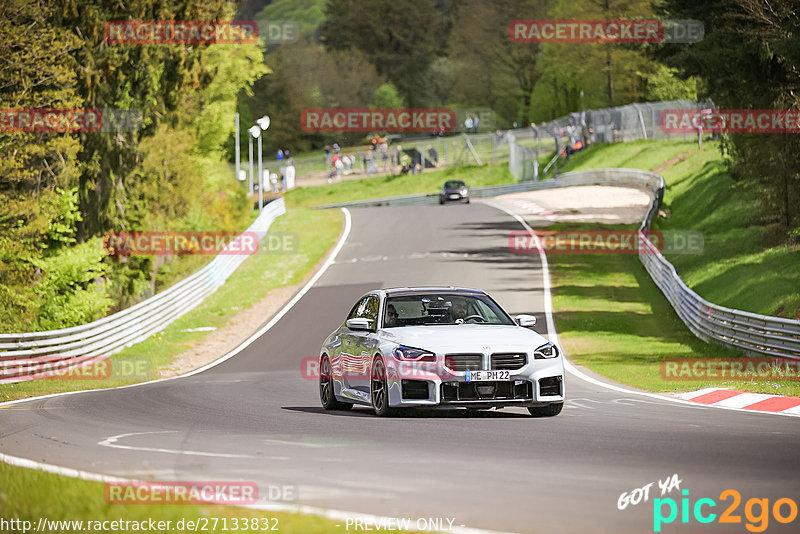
442 309
453 184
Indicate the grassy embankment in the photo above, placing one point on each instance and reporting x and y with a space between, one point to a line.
614 320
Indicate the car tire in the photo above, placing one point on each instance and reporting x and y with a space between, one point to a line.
550 410
326 396
378 388
467 200
441 202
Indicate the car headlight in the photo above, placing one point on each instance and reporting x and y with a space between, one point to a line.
402 352
546 351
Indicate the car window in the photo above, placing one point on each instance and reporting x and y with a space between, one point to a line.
442 309
366 308
453 184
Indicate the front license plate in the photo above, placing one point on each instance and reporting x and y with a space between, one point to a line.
453 197
487 376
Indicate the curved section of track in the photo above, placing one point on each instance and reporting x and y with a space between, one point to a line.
255 417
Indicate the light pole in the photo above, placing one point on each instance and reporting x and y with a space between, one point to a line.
263 124
236 115
250 138
255 131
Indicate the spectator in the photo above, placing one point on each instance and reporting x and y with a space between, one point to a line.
279 156
404 164
336 147
327 156
334 160
339 167
385 154
433 156
475 124
468 122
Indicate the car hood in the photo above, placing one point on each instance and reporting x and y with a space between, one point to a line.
466 338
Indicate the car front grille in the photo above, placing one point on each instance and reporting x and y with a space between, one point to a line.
479 391
508 361
464 362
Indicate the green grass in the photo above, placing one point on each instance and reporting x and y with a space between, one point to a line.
388 186
316 231
29 495
737 268
637 155
615 321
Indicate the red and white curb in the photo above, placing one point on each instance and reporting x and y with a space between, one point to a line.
729 398
531 207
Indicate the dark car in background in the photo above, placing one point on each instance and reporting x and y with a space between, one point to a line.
454 190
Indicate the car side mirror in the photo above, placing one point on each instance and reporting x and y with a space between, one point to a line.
525 320
358 323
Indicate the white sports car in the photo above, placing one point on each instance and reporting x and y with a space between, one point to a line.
438 347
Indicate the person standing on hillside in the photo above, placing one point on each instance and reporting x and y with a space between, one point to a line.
385 155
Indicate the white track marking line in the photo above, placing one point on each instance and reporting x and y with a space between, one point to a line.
246 343
113 442
553 335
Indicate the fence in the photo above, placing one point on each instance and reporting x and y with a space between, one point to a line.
34 355
522 147
619 124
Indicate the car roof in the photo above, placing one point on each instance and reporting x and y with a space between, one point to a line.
431 289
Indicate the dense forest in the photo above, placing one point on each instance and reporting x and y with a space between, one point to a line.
60 193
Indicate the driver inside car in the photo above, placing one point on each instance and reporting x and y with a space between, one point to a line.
391 316
459 310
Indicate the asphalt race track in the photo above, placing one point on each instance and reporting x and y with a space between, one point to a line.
254 416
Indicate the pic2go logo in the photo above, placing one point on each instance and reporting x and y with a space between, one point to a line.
756 511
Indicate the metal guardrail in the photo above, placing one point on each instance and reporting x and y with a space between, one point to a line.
28 356
433 198
749 332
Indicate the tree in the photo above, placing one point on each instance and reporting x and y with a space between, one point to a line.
386 96
750 59
490 69
400 38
